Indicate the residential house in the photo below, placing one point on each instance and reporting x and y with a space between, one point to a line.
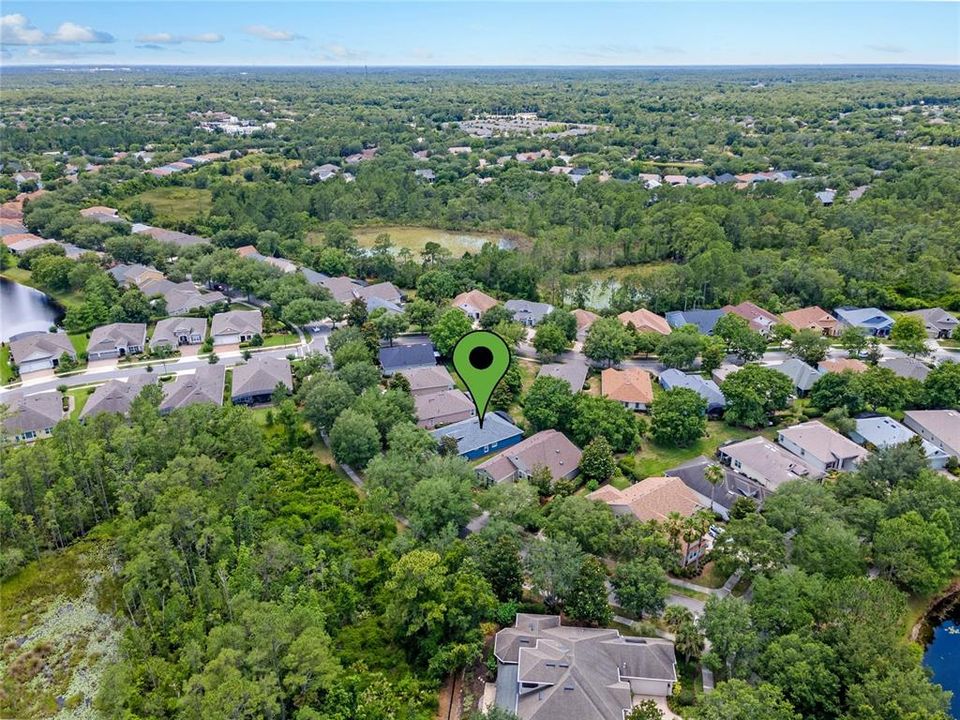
174 237
821 448
801 375
675 180
707 389
842 365
116 396
574 373
33 351
401 358
173 332
940 427
32 417
760 320
324 172
19 244
768 464
871 320
645 321
183 297
474 303
442 408
459 150
721 373
906 367
313 277
548 449
812 318
425 174
701 181
879 431
102 214
527 312
734 486
938 322
235 326
12 226
826 197
546 671
474 441
342 288
650 180
630 387
428 380
385 291
725 178
135 275
116 340
205 385
703 319
256 380
584 319
249 252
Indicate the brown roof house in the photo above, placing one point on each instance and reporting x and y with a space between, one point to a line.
812 318
821 448
40 350
117 340
547 671
442 408
651 499
32 417
760 320
631 387
645 321
255 381
584 319
427 380
474 303
549 449
841 365
235 326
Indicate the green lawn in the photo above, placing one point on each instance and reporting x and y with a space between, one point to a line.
654 460
79 341
66 299
280 339
174 203
80 397
6 372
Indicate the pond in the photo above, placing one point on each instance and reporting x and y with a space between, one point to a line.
942 655
24 309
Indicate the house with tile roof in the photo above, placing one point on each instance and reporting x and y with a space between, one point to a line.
474 303
651 499
760 320
547 671
631 387
584 319
842 365
548 449
812 318
644 320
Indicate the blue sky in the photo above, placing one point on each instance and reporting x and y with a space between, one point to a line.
472 33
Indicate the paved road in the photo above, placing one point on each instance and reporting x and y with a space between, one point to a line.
316 343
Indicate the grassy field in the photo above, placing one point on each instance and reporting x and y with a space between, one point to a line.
79 341
280 339
174 203
414 238
654 459
80 397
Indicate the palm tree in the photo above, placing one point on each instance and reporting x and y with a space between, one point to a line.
673 526
715 476
675 616
689 641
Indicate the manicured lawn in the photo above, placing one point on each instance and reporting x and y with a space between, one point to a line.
174 203
654 459
709 577
79 341
80 397
6 373
280 339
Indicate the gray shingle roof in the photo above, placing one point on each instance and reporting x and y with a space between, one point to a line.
33 412
400 357
40 345
114 335
237 322
801 375
260 376
707 389
115 396
703 319
169 329
203 386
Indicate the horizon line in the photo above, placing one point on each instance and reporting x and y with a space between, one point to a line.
359 66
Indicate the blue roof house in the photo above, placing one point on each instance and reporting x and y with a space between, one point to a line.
703 319
707 389
873 321
473 441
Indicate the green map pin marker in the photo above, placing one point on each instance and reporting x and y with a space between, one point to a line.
481 359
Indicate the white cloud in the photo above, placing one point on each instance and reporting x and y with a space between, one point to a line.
15 29
335 52
164 38
267 33
887 48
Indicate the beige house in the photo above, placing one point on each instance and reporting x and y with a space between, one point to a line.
549 449
630 387
821 448
812 318
474 303
428 380
644 320
442 408
651 499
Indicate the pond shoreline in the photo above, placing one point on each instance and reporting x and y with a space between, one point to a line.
937 608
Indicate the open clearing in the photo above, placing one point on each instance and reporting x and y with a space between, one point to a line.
174 203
